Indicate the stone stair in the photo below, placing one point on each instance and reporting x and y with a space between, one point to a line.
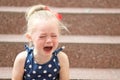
65 3
93 44
77 74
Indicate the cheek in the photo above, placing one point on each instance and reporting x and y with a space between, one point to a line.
38 43
41 42
56 42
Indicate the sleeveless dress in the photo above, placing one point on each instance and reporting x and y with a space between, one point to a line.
48 71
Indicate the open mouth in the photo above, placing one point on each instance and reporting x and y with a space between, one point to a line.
48 48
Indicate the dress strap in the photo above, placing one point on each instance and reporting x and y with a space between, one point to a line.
29 55
58 50
28 49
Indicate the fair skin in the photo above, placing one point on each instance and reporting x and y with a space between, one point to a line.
45 40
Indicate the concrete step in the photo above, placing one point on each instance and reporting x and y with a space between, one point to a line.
66 10
76 74
64 3
86 52
87 22
67 39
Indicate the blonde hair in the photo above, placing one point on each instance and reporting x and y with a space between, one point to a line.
40 12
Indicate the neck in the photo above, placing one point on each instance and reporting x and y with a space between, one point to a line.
41 58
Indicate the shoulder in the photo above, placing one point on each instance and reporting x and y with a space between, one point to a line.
21 57
64 66
63 58
62 55
18 67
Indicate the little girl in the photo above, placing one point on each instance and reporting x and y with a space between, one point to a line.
42 60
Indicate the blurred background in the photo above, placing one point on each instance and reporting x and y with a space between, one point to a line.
93 44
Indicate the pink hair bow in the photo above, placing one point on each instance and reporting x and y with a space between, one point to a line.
58 15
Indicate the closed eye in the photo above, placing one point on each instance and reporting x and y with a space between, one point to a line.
42 36
54 36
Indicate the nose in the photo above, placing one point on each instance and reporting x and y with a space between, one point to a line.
49 40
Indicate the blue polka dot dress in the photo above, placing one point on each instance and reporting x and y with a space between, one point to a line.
47 71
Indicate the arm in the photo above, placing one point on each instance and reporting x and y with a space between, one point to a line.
64 64
18 68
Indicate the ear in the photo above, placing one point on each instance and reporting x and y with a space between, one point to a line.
28 36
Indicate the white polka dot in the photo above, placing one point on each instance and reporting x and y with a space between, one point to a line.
25 70
35 62
53 78
44 79
28 61
49 65
24 76
39 67
28 75
34 72
44 71
33 79
59 64
30 66
39 75
55 70
54 60
50 75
